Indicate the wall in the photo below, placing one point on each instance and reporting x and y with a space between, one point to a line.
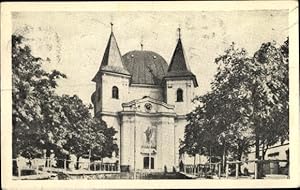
164 156
168 131
127 140
167 142
181 108
98 98
179 134
139 91
110 104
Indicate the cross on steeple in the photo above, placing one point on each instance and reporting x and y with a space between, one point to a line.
179 34
142 45
111 26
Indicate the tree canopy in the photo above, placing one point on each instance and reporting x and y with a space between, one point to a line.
247 104
44 120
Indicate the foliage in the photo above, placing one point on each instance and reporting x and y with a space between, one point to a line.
248 103
44 120
31 87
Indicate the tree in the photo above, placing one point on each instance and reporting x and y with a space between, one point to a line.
31 86
44 120
248 103
77 132
275 89
220 118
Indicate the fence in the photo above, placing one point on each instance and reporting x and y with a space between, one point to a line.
233 168
270 167
37 166
203 170
266 167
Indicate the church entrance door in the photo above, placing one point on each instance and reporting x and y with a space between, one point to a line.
146 163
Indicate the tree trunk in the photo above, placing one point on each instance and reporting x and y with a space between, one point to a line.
209 158
77 162
224 159
257 156
264 151
257 147
239 159
194 170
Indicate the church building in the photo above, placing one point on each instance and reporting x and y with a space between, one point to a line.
146 100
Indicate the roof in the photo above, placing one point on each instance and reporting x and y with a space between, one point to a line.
178 66
112 61
146 67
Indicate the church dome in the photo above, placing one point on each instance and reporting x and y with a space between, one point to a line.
146 67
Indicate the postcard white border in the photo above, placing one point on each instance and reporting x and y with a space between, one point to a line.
7 8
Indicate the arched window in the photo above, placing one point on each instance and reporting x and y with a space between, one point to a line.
179 95
115 92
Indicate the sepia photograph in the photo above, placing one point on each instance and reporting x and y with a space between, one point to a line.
126 92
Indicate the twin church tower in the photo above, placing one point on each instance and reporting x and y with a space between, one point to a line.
146 101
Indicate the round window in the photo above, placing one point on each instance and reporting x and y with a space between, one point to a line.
148 106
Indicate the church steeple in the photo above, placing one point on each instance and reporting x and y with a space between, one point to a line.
178 66
112 59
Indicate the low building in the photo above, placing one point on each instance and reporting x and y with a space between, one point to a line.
278 152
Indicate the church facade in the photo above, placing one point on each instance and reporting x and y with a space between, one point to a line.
146 100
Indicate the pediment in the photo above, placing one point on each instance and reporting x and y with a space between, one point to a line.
148 105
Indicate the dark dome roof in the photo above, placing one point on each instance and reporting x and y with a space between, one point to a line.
146 67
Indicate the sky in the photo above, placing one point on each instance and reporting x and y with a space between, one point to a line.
74 42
